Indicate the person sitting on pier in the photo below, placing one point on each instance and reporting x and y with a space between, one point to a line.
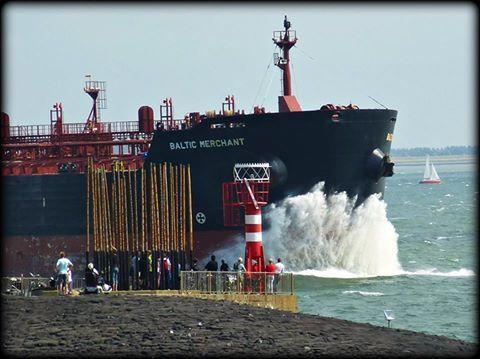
103 285
91 280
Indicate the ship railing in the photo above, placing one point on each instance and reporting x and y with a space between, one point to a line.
74 129
236 282
101 127
30 130
172 125
280 35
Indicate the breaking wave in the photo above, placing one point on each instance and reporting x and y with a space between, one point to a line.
329 234
328 237
364 294
338 273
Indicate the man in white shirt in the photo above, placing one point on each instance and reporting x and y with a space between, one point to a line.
62 268
279 269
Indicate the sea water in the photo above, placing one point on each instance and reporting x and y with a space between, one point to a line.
413 252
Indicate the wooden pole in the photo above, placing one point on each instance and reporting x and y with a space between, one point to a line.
94 210
87 246
190 213
132 220
184 217
158 225
175 224
168 242
137 234
124 254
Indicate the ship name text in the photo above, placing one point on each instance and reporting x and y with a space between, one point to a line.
188 145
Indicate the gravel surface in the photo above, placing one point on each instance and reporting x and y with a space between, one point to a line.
109 325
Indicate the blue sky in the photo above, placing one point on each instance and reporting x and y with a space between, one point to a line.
417 59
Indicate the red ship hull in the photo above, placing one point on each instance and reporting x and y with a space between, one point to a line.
39 254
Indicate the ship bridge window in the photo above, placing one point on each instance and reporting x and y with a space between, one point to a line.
236 124
218 125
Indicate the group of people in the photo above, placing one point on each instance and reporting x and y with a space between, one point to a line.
94 281
272 269
142 269
272 279
238 266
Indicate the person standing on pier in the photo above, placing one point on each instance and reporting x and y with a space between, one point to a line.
224 268
279 269
70 279
239 267
150 275
62 268
116 269
195 265
212 266
167 270
134 269
270 269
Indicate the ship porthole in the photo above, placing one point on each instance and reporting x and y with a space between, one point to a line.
200 218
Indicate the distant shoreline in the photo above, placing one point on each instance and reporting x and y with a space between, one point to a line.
417 160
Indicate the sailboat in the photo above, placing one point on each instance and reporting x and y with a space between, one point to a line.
430 175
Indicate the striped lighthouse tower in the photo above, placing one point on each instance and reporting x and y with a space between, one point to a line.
251 184
254 258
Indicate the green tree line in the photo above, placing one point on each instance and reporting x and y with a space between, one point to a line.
434 151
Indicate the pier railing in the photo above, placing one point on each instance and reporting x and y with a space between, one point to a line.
236 282
26 285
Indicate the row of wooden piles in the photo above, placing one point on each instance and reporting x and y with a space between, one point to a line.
136 219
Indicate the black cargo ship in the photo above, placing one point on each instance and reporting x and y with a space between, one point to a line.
343 146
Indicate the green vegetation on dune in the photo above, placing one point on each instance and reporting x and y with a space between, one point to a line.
439 151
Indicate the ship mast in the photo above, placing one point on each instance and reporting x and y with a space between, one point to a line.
96 90
285 40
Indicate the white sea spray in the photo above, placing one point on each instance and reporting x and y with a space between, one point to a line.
319 232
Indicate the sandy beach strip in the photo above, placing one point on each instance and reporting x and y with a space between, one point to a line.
116 325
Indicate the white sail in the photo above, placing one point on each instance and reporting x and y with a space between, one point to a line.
426 173
430 175
433 173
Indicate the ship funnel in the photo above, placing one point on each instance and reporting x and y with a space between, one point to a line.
379 165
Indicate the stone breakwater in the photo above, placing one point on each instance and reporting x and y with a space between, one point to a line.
150 325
